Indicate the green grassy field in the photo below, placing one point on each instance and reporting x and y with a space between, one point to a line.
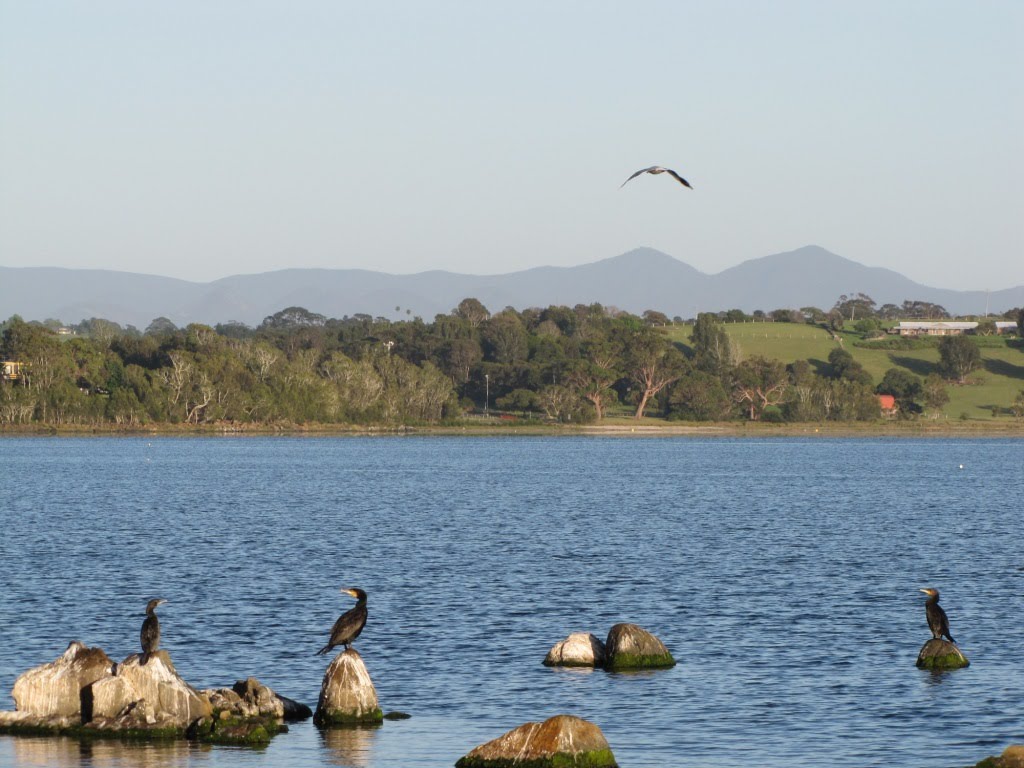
995 385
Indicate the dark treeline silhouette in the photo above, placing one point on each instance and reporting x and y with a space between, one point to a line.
565 364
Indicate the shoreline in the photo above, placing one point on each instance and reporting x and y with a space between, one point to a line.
974 429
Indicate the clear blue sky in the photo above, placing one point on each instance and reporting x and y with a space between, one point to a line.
201 139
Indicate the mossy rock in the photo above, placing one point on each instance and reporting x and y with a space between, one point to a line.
562 741
1012 757
337 718
599 758
941 655
624 662
631 647
221 729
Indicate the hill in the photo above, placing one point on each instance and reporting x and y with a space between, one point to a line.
635 281
996 384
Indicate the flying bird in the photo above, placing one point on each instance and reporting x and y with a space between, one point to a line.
655 170
938 623
348 626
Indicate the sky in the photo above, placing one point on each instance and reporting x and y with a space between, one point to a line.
203 139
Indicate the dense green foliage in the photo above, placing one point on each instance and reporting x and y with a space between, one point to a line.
560 364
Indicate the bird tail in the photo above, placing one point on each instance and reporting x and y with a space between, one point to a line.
143 659
324 650
951 638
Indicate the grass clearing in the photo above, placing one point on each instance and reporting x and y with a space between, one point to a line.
993 386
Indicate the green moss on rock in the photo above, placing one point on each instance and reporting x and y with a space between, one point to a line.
600 758
626 661
939 654
334 718
225 729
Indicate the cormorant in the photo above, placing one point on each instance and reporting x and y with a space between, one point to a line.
656 169
938 622
347 628
150 634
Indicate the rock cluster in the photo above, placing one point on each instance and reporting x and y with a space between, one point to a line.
84 692
627 647
562 740
347 695
938 654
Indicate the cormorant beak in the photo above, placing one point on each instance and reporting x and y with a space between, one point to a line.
350 592
161 601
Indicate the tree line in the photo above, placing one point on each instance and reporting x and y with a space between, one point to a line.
564 364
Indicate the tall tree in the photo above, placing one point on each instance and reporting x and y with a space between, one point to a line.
958 357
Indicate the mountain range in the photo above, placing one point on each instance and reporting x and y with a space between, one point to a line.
641 279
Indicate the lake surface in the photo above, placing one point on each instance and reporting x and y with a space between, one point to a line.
782 573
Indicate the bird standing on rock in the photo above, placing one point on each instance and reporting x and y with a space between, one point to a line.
348 626
655 170
938 622
150 635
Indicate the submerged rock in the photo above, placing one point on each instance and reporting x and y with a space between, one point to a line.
580 649
347 695
941 654
54 690
1012 757
562 740
631 647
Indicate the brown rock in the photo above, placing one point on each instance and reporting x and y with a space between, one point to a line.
347 695
631 647
55 689
580 649
561 740
939 654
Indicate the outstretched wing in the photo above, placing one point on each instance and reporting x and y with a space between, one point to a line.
678 178
642 170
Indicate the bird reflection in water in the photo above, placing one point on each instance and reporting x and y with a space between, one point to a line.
350 747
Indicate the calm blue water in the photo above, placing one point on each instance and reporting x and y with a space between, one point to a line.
782 573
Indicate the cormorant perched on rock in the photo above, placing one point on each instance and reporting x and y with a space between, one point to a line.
938 622
150 634
347 628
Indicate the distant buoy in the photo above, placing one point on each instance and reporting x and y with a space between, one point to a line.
961 466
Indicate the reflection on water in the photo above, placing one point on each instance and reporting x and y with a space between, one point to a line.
100 753
349 747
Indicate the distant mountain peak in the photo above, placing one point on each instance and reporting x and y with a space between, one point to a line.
640 279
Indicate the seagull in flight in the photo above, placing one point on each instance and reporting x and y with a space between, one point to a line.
656 169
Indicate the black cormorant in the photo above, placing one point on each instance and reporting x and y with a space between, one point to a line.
656 169
347 628
938 622
150 634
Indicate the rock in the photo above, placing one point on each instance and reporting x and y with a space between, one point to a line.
55 689
250 698
108 698
939 655
580 649
172 700
631 647
1012 757
562 740
347 695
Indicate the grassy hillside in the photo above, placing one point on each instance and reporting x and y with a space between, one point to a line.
995 385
